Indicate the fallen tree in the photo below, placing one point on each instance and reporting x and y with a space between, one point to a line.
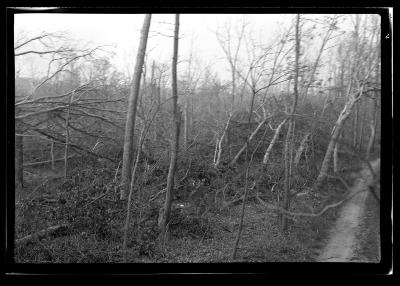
41 234
280 210
47 162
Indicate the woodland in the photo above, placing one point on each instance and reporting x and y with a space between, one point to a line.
175 164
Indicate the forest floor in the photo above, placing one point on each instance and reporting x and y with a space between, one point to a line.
357 229
97 236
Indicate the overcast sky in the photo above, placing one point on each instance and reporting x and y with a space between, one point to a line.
123 31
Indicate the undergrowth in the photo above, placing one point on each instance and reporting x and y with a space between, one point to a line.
88 202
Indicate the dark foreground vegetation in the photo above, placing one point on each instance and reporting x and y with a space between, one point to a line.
253 169
88 204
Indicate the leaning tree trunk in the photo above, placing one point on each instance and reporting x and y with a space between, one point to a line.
352 99
131 114
335 156
334 138
165 211
254 133
225 132
19 161
308 136
272 143
300 150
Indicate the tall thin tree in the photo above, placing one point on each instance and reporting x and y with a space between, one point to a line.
165 211
289 136
131 114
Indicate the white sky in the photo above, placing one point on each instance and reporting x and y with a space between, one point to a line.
197 33
123 31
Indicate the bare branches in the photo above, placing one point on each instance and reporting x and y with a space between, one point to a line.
280 210
43 52
69 61
249 139
33 39
78 148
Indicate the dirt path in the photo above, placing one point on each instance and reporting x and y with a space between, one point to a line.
343 242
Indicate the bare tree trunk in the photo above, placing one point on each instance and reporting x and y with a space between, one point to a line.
131 114
249 139
165 213
52 155
247 177
272 143
128 209
38 235
232 59
352 99
300 150
356 47
337 129
186 123
309 136
355 126
287 175
291 149
375 106
288 142
47 161
217 161
243 208
19 161
188 113
191 106
335 156
67 137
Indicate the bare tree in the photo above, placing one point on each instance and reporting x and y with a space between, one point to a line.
67 137
360 73
375 100
226 43
259 79
165 211
131 114
289 136
31 104
331 28
328 36
272 143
